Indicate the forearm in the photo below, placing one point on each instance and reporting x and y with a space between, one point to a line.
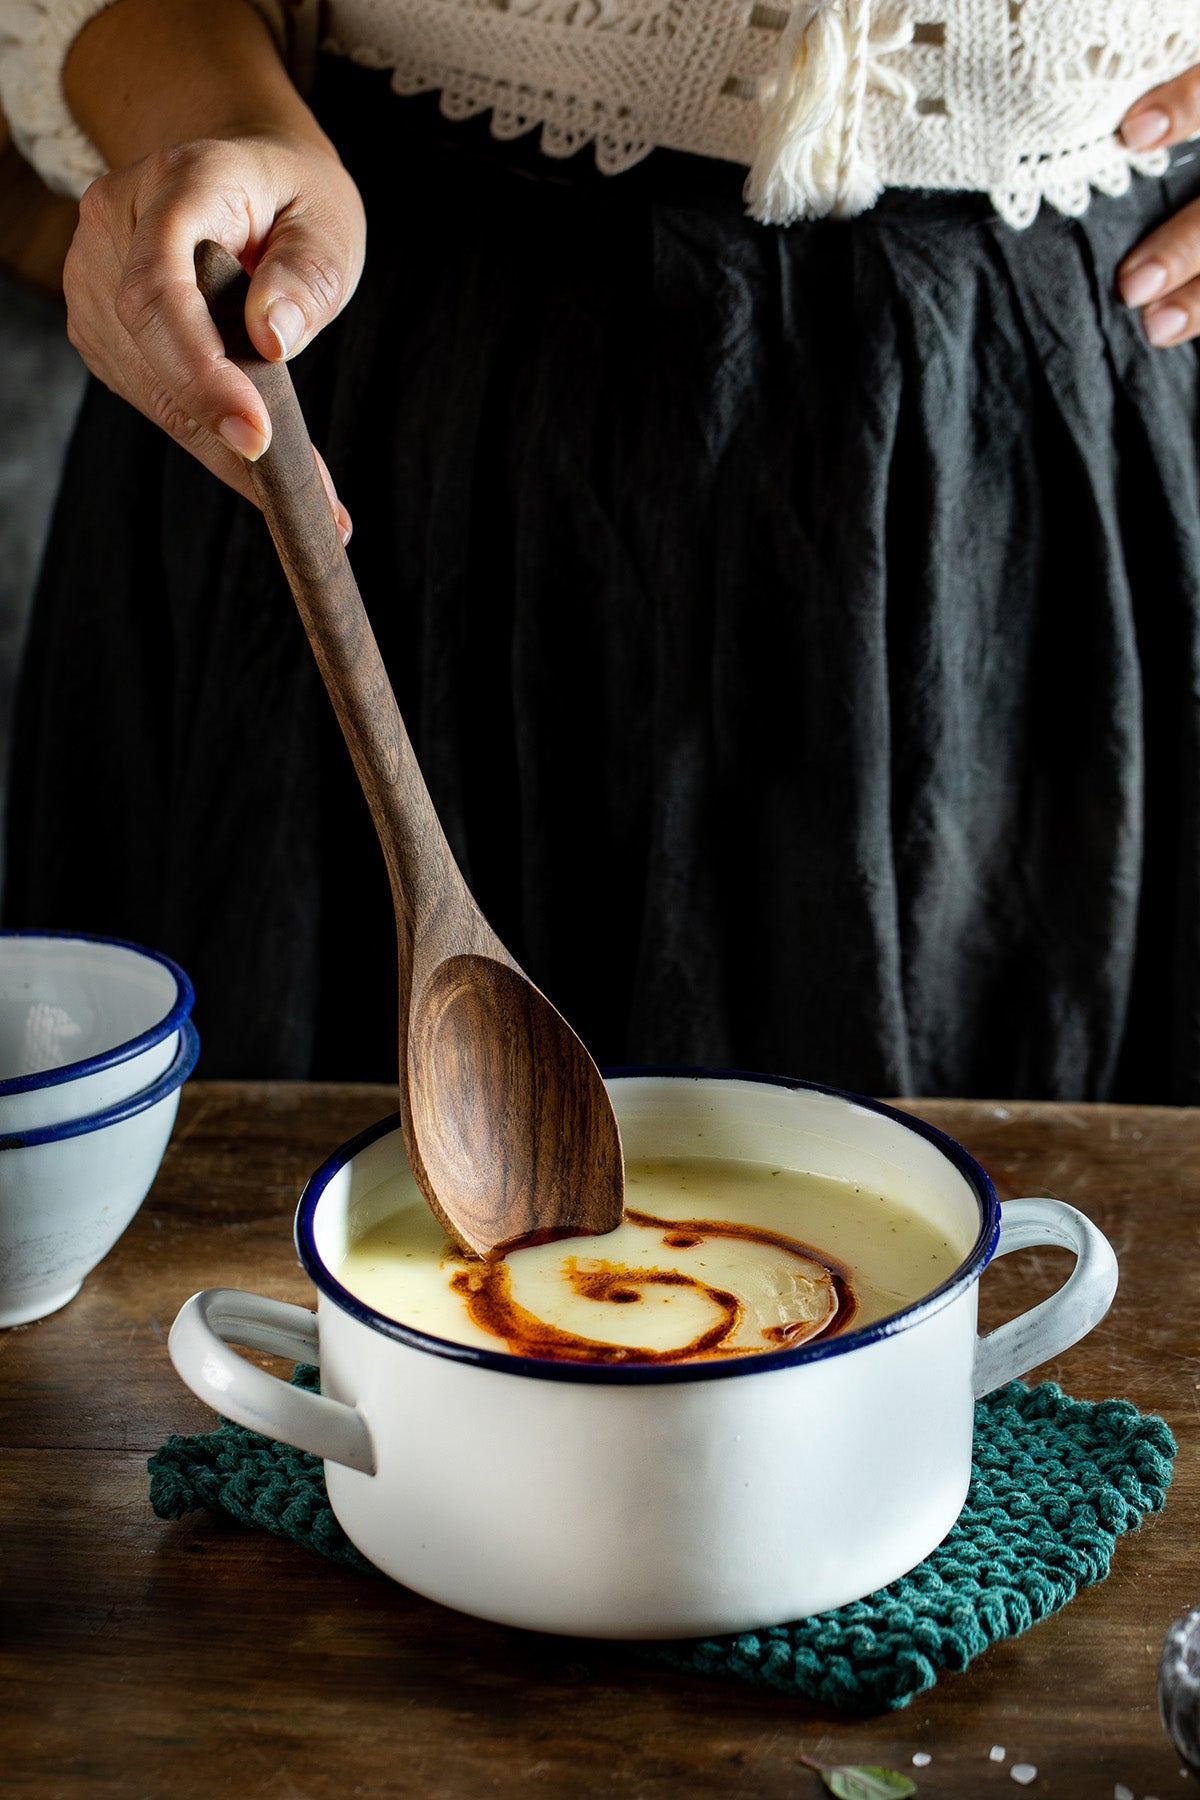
143 74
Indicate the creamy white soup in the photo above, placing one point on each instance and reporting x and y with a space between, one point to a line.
712 1259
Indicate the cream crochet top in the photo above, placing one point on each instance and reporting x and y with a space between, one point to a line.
826 102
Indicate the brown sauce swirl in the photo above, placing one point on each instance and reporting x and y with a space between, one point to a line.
486 1289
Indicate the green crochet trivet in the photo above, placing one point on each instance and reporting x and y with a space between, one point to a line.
1055 1482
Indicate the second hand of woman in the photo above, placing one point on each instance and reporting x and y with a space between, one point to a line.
1162 276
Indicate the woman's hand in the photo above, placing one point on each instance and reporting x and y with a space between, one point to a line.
292 215
1162 276
207 138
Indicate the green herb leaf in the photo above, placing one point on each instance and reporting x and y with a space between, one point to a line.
862 1782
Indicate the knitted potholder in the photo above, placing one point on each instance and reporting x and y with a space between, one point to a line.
1055 1481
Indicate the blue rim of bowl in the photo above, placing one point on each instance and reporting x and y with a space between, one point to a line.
172 1078
654 1374
124 1052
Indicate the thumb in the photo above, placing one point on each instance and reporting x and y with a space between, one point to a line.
302 280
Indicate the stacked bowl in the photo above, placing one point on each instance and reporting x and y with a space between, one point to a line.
96 1041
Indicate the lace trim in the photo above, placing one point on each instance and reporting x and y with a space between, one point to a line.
1067 179
1100 40
825 101
599 51
1098 45
35 36
567 125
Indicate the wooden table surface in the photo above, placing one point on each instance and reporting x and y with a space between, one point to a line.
143 1659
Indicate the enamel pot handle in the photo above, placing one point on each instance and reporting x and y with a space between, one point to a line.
1057 1323
199 1345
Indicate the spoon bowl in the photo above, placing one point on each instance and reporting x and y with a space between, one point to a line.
481 1030
508 1125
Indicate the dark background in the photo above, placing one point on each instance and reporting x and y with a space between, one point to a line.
41 382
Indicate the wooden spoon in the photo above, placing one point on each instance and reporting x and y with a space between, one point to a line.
508 1125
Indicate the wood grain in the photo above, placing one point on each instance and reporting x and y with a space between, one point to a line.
508 1126
203 1660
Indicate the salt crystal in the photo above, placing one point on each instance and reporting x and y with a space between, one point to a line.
922 1760
996 1753
1024 1773
1121 1792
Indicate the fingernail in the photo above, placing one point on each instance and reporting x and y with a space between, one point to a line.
343 524
243 437
1145 129
287 324
1143 283
1165 323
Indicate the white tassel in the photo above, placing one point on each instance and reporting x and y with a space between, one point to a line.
809 162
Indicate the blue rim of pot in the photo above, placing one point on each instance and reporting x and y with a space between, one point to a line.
172 1078
173 1020
654 1374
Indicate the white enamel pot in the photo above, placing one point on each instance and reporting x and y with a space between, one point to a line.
656 1500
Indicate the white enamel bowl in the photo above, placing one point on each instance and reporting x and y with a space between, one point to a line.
85 1024
656 1500
67 1191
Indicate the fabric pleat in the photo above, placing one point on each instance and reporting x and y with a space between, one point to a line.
798 629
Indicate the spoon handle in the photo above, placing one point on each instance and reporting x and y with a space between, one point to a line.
296 507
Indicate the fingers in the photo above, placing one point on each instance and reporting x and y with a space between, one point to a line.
160 307
130 376
138 319
308 269
135 313
1168 115
1162 276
